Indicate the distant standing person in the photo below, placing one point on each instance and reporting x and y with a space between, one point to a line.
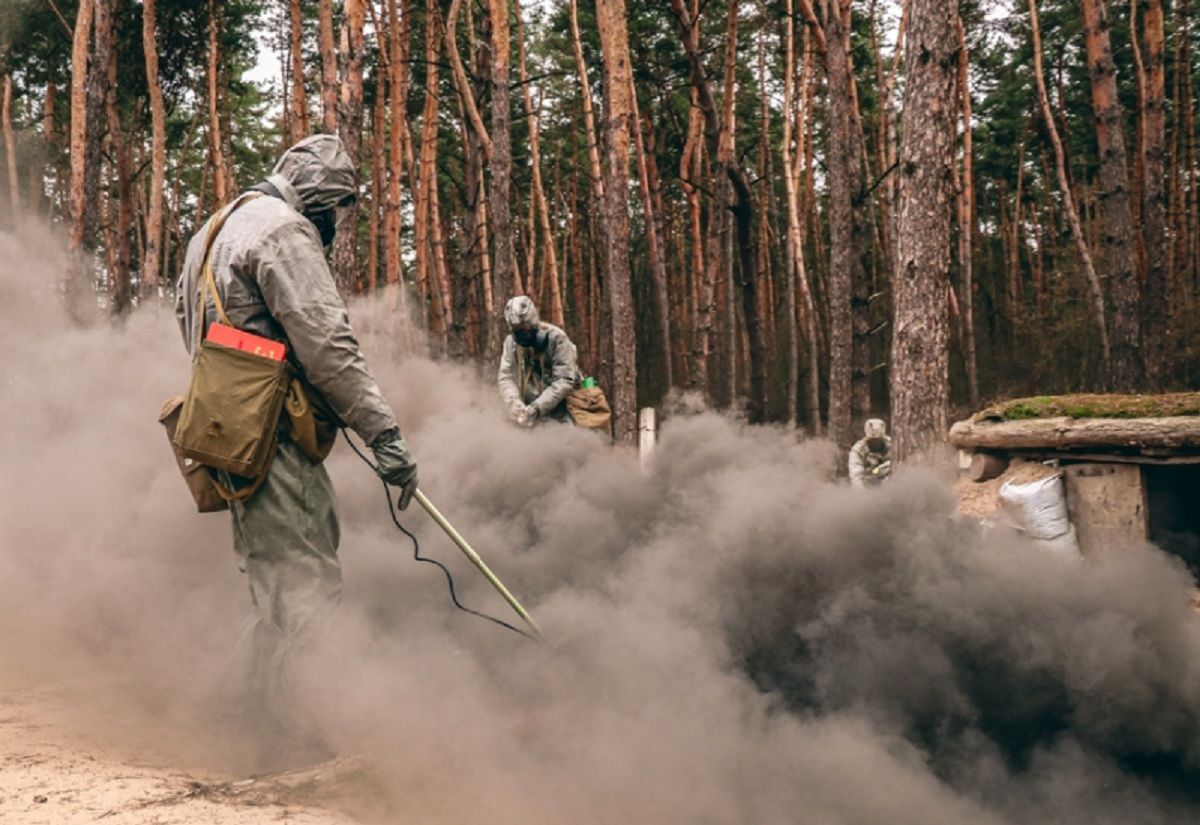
539 366
871 456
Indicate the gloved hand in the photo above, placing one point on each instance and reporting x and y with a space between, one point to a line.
528 416
395 464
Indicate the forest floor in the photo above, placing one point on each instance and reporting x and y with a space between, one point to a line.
53 771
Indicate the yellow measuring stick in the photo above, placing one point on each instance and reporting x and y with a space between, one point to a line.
457 538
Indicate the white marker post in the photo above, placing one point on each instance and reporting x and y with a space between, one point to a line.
647 434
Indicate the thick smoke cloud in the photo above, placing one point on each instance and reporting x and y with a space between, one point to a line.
737 638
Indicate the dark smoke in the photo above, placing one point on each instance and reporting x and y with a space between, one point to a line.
737 639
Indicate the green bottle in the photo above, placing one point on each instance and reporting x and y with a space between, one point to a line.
589 382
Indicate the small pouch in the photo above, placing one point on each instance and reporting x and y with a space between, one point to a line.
195 474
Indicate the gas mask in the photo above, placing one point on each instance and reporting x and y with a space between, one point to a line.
532 338
326 224
877 445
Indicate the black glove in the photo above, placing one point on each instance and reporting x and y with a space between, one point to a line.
396 465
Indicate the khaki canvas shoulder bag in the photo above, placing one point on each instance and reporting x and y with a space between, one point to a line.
232 408
588 408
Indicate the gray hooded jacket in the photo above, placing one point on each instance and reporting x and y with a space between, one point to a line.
273 281
543 379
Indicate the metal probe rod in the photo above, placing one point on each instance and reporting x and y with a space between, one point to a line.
454 535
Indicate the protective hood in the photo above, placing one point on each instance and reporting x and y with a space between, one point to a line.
320 171
521 310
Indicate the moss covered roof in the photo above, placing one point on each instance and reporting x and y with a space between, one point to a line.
1093 406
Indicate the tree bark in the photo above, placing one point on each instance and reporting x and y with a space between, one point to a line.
49 156
398 29
10 146
460 79
585 91
1115 208
350 127
152 262
298 125
216 150
377 204
540 206
614 214
797 273
920 375
1064 185
655 245
421 185
1156 318
121 288
848 235
329 72
966 221
500 193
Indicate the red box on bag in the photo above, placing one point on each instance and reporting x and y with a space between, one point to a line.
237 339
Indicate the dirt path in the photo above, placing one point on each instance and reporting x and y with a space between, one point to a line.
50 774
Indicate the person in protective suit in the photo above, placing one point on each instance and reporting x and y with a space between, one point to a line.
268 261
539 366
871 456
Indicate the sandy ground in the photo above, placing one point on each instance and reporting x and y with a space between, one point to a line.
52 774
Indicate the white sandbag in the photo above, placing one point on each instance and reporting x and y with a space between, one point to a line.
1037 507
1066 545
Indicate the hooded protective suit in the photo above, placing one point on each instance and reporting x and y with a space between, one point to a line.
535 380
272 277
870 457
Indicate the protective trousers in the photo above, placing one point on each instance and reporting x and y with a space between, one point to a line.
286 537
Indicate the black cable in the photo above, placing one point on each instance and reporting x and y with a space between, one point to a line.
387 491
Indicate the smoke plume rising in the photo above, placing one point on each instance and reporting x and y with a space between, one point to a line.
736 638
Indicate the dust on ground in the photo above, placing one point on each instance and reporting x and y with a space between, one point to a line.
53 772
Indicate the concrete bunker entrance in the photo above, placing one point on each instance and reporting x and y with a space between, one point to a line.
1173 510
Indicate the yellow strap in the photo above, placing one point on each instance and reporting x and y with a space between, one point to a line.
208 282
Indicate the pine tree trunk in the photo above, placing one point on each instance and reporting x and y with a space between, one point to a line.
121 277
49 156
797 274
847 231
504 264
920 376
585 90
730 177
10 145
703 286
654 243
216 151
298 125
1064 185
427 177
378 130
329 72
350 126
1115 208
152 263
614 214
966 223
398 30
1156 318
1013 297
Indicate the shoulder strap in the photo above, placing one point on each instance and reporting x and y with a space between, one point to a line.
206 281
